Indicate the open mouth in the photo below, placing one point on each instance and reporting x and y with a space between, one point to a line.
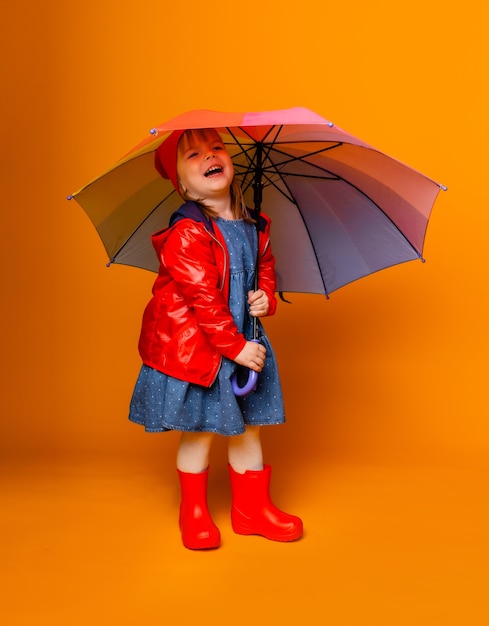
213 171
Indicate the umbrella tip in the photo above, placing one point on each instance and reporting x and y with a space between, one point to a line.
70 197
153 131
330 124
443 187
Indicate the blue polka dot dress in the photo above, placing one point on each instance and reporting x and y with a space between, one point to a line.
161 403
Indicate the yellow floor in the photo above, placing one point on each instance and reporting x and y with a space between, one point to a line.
95 541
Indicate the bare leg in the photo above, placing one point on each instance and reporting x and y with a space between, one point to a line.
193 452
245 451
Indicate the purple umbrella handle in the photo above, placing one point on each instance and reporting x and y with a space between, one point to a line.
250 384
248 387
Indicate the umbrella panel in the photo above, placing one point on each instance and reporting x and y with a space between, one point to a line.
129 205
335 237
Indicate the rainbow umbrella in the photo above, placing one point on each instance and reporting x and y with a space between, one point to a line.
340 208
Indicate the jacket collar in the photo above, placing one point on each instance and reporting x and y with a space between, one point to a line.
191 210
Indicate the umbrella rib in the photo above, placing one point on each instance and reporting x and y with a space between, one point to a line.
245 151
292 199
338 144
275 168
302 159
332 176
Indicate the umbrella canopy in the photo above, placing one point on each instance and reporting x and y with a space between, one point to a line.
340 208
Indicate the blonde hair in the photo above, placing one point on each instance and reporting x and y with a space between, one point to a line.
238 205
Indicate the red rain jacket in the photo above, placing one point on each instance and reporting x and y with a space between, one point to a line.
187 325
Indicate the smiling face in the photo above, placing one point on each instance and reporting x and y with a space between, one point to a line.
204 167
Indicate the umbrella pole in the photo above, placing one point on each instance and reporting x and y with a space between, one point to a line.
250 385
257 198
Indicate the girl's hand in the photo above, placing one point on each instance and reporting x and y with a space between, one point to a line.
258 302
252 356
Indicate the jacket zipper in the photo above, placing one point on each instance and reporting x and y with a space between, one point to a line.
221 288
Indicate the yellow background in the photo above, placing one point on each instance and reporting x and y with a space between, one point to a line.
385 449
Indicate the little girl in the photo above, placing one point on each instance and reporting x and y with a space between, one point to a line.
196 334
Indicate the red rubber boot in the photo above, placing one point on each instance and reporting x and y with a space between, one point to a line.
253 513
198 530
